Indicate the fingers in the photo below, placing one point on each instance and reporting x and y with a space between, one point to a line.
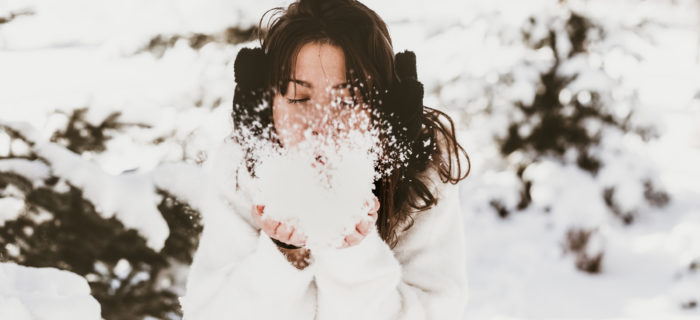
363 227
288 234
258 210
352 239
374 212
270 227
374 215
284 232
297 237
278 230
372 205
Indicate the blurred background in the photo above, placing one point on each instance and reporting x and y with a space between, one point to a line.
581 118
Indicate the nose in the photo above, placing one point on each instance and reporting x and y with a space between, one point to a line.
322 117
319 119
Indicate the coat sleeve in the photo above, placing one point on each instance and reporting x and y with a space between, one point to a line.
258 283
423 278
239 273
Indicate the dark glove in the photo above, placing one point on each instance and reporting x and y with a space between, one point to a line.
405 98
251 93
402 107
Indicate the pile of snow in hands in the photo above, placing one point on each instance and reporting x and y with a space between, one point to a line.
321 184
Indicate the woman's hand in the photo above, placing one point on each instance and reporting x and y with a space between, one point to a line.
278 230
362 229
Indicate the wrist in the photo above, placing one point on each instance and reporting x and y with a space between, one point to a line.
299 258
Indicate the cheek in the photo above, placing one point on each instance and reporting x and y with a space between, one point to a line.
287 121
356 119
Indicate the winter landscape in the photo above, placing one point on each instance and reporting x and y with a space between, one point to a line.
581 120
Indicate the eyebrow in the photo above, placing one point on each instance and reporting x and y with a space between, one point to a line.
308 85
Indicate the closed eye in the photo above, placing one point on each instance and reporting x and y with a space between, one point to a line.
297 100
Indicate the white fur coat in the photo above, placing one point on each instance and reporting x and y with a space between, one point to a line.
238 273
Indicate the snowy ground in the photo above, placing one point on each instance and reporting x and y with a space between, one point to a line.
44 293
81 53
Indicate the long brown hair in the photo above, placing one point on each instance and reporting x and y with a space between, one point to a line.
364 38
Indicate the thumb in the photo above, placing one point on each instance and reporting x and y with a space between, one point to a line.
258 209
376 204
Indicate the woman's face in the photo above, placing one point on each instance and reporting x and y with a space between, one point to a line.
318 101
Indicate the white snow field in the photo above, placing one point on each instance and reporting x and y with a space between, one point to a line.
28 293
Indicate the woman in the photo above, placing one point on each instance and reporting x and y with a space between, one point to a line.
409 263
